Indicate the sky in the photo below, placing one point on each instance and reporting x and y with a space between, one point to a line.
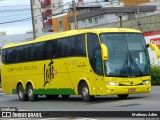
8 12
12 10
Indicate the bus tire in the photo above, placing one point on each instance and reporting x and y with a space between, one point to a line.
52 96
123 96
65 96
85 94
31 96
21 94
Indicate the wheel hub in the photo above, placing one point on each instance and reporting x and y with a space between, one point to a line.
85 92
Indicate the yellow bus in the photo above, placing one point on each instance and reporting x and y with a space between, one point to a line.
87 62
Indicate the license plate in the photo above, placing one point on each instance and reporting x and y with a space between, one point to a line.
131 90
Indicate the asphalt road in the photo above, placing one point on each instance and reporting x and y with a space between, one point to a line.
137 102
141 102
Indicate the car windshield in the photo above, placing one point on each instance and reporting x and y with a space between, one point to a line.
128 56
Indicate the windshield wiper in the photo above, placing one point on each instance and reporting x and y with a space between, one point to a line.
132 61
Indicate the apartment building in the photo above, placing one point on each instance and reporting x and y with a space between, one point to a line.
37 16
134 2
43 10
109 15
61 23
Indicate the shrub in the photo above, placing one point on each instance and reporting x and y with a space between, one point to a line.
155 74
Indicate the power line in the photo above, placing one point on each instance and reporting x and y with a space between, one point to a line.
14 10
41 14
29 5
16 21
25 19
15 6
13 15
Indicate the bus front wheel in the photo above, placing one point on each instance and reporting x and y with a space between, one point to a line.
84 90
31 96
22 96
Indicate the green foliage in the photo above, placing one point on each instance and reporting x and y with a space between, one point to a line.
155 74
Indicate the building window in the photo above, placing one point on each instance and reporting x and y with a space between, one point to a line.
59 4
35 21
53 6
90 21
84 23
33 2
96 20
34 11
60 24
36 30
101 17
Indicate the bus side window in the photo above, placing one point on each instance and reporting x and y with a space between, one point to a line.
9 56
28 52
4 56
51 49
61 47
18 54
39 51
94 53
78 45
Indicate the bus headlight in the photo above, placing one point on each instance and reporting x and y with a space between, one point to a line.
113 83
146 82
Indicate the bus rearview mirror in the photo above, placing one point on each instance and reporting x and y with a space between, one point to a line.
104 52
154 47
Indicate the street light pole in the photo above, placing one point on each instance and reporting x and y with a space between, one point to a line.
75 15
138 14
33 24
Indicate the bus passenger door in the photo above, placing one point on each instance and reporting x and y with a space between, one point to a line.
95 60
100 82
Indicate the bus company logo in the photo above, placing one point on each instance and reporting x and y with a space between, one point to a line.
49 73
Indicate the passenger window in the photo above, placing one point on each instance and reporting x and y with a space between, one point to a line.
39 51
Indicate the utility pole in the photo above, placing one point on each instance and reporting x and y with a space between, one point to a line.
138 14
75 14
33 25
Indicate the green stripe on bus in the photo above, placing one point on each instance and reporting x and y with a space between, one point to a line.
14 91
62 91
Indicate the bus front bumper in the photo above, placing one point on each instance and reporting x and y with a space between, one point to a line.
114 90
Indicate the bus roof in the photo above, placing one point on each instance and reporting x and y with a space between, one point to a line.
72 32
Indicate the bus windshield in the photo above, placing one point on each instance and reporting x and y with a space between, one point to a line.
128 55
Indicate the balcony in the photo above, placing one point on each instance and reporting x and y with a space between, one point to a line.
45 3
46 13
49 22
